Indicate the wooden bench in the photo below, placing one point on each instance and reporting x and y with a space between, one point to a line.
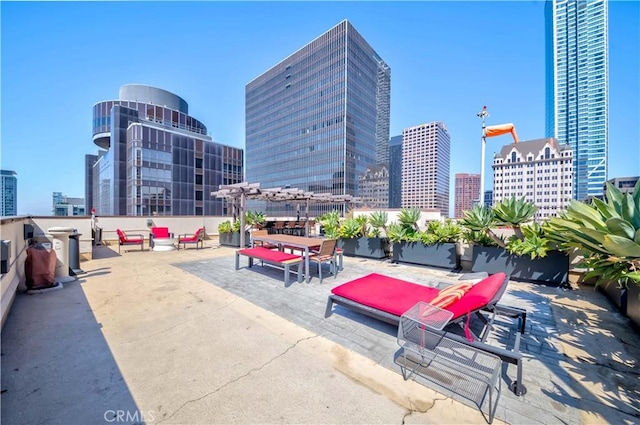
277 258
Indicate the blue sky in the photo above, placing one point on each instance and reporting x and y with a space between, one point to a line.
447 60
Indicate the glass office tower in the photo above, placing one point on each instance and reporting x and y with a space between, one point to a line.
159 160
318 119
577 87
395 172
9 193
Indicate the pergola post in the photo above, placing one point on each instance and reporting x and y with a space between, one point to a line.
242 220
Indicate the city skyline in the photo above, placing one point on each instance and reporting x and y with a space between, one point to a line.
445 71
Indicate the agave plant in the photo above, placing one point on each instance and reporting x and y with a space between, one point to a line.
255 219
513 212
363 222
378 220
224 227
330 223
350 228
399 233
408 217
607 233
481 219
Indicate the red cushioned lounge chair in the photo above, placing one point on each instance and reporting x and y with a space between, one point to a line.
124 239
196 238
386 298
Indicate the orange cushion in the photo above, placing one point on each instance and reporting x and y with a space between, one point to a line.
449 295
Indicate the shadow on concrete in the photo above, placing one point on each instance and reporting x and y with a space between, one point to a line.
56 365
603 351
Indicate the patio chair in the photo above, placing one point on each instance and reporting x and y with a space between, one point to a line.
387 299
262 232
124 239
197 238
326 254
159 233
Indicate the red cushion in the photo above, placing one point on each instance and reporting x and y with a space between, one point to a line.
160 232
385 293
478 296
396 296
267 254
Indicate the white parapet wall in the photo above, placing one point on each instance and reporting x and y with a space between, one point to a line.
425 215
12 230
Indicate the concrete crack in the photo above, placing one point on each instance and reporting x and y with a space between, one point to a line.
413 410
256 369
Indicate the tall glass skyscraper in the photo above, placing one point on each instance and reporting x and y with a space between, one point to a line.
317 120
9 197
577 87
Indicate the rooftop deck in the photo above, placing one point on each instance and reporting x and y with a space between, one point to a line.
181 338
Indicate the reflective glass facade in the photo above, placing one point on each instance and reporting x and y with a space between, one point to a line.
318 119
9 197
577 87
160 161
395 172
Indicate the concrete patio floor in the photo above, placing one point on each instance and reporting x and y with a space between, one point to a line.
181 338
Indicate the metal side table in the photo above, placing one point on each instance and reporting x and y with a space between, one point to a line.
462 369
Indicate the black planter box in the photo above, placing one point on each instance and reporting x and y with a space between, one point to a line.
233 239
616 294
633 303
377 248
554 268
439 255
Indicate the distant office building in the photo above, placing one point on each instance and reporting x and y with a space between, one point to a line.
374 187
577 87
425 167
488 198
159 160
66 206
467 190
316 120
89 161
9 193
539 170
395 172
625 184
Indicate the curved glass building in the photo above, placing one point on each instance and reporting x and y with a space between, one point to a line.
158 160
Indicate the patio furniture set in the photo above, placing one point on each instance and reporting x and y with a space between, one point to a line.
422 313
160 239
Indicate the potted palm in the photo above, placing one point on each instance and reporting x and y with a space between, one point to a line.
357 239
607 233
527 255
434 247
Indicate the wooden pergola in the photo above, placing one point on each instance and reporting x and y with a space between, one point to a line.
238 193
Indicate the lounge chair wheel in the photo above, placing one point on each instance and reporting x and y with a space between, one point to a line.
517 389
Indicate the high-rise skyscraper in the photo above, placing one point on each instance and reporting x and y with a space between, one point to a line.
316 120
9 193
467 190
577 87
425 167
395 172
159 159
89 161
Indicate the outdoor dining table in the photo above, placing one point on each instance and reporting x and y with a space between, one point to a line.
305 244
